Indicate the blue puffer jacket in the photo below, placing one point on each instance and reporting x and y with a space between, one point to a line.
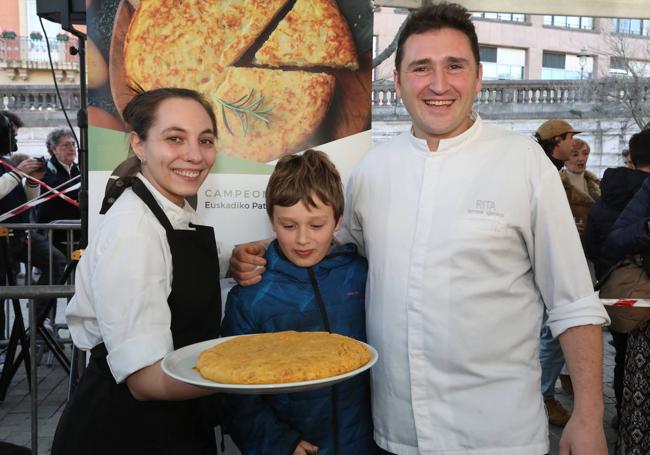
336 419
629 234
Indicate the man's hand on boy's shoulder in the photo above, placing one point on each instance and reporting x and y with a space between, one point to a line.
305 448
247 262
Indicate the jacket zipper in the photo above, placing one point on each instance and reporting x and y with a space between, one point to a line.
326 323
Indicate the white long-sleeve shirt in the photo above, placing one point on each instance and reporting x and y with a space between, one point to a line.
465 246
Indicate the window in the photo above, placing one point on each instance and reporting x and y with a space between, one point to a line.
375 40
557 66
38 48
572 22
502 63
631 26
552 60
504 17
628 67
488 54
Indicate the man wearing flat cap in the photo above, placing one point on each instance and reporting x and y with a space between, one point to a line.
556 138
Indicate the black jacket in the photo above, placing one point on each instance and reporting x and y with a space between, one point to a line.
57 208
618 186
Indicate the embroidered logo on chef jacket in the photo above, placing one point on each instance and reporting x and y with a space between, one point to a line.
485 207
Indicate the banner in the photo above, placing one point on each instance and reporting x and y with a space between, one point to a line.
282 75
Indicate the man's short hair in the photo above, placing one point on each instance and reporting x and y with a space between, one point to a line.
9 125
16 121
435 17
625 152
640 148
55 136
299 177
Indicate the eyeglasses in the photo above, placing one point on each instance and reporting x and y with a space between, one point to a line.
67 145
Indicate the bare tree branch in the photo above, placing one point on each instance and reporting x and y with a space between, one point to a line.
383 55
629 90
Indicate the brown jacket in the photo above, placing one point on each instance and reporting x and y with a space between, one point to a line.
579 201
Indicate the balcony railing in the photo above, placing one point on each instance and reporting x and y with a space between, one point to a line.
25 49
508 98
38 97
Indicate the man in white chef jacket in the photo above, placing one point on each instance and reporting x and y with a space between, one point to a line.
468 235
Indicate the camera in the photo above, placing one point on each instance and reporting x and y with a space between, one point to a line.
43 161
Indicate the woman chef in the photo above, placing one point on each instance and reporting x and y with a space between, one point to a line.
147 284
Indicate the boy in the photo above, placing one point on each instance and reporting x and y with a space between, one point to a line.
309 285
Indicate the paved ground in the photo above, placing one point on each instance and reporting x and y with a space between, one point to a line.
15 423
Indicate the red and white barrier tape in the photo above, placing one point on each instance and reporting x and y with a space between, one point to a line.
41 184
50 194
626 302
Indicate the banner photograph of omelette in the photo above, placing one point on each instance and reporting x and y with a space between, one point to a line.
282 75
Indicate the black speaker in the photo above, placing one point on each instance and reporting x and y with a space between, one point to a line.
64 12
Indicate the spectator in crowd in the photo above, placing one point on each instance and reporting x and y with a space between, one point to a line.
555 136
631 235
581 186
464 253
582 189
627 159
618 186
61 167
14 194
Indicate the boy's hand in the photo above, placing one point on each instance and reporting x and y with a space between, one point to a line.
305 448
247 263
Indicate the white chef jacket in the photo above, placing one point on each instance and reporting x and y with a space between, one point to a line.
465 246
122 283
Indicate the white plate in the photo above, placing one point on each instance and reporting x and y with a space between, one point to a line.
179 364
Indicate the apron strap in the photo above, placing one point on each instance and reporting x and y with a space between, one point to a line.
141 190
114 190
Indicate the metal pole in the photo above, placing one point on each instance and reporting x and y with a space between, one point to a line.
82 122
33 378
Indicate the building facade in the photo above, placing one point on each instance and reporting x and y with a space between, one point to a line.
26 75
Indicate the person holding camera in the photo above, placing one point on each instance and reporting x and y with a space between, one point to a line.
630 236
59 169
14 194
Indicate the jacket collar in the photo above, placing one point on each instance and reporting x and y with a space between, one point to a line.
338 255
451 143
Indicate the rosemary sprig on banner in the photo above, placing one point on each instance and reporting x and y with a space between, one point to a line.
249 104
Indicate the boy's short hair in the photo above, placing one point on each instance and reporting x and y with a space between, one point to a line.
300 177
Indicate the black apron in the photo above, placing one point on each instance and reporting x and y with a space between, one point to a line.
102 417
